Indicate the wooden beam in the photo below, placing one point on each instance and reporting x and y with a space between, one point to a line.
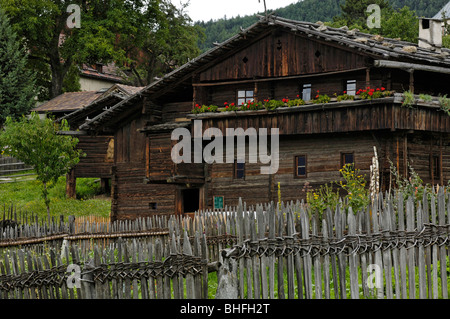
294 77
72 133
408 66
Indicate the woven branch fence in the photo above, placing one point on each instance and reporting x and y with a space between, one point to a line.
396 248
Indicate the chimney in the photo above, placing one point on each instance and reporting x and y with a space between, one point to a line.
430 34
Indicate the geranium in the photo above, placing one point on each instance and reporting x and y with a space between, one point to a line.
372 93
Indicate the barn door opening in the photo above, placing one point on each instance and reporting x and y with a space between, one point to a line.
191 200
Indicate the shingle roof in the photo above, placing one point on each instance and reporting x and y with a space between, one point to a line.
68 102
376 46
113 95
445 10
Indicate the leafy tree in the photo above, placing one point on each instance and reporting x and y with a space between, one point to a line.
37 143
167 40
135 33
403 24
17 84
354 11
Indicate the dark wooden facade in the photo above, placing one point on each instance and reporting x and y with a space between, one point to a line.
274 59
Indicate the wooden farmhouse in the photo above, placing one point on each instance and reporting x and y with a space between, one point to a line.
277 59
99 148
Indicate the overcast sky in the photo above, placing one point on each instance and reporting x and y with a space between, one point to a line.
205 10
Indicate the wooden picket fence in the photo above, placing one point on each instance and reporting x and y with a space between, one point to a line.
128 271
395 248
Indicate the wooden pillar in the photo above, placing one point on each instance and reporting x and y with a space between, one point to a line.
441 169
405 155
411 80
367 77
255 92
71 183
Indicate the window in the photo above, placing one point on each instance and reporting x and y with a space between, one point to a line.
347 158
239 170
435 168
306 93
300 166
351 87
244 96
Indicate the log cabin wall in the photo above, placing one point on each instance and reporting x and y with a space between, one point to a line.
99 157
280 53
131 197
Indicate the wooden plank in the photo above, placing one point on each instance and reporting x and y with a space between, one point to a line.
354 284
290 258
385 220
442 255
339 225
410 214
421 257
307 266
187 251
263 259
271 248
403 252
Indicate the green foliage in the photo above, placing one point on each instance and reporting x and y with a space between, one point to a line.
410 187
17 83
425 97
354 11
344 97
150 37
295 102
408 99
71 82
322 198
25 196
354 184
396 21
272 104
36 142
204 108
444 103
321 98
403 24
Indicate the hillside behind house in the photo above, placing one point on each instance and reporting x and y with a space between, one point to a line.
306 10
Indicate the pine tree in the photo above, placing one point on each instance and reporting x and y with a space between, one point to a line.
17 89
354 11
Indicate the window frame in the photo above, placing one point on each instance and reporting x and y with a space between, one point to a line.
306 86
343 154
296 166
235 170
246 98
347 82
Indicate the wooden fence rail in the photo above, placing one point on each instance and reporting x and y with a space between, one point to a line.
9 165
129 271
393 249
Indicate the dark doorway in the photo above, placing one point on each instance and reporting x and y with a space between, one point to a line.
191 200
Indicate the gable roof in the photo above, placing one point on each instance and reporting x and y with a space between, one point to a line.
445 10
68 102
377 47
112 96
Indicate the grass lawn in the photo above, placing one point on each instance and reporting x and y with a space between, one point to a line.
26 197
